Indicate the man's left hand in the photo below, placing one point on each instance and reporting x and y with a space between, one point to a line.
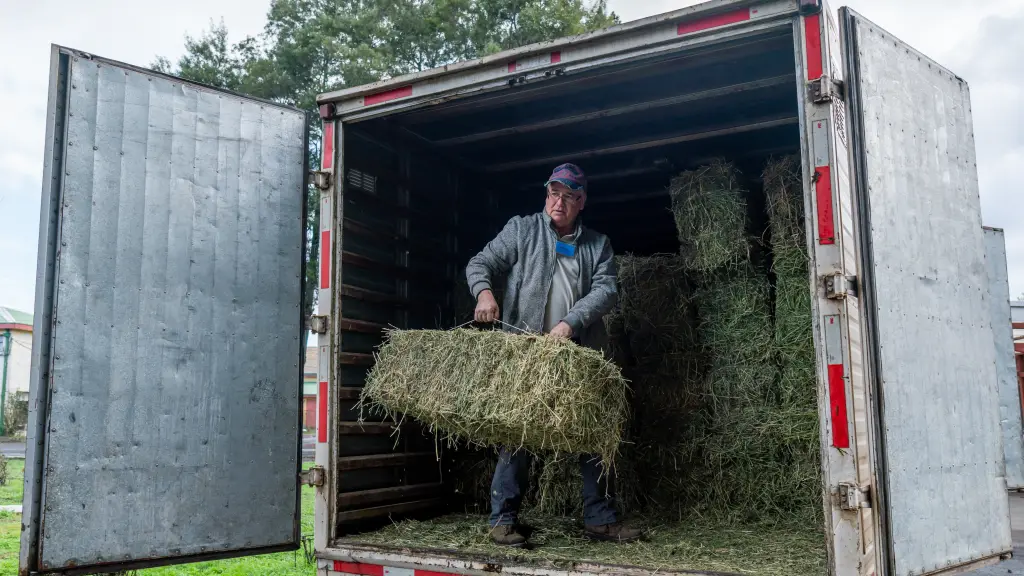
563 330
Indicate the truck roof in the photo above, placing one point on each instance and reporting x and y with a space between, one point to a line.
532 49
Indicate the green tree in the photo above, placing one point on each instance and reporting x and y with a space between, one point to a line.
309 47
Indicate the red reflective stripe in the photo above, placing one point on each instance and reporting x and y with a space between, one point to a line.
511 66
812 30
325 259
327 158
714 21
826 218
556 57
375 570
357 568
321 416
837 402
388 96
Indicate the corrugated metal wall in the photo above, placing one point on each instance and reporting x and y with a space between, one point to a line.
174 407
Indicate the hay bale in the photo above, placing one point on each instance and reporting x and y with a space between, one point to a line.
655 305
501 389
710 210
667 370
736 329
794 334
794 337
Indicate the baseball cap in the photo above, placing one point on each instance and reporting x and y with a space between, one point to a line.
571 175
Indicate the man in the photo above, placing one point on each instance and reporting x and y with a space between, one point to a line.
561 280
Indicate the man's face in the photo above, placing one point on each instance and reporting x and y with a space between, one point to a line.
563 205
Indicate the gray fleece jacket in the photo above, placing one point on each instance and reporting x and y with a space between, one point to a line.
525 252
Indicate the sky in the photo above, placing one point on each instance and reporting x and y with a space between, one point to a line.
978 40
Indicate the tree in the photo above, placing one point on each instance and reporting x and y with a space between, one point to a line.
309 47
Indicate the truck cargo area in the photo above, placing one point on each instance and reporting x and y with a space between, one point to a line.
426 189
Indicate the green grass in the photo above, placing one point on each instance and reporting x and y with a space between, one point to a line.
282 564
10 493
10 522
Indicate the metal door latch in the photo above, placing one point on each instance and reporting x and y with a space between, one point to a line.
853 497
839 286
824 89
321 179
313 476
318 324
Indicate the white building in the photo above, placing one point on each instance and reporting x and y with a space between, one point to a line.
15 351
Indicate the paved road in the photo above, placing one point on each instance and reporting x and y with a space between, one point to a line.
1016 564
12 449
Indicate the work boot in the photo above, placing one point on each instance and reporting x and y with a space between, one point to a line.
616 532
507 536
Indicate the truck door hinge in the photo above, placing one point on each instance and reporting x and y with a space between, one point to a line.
824 89
319 324
853 497
313 476
321 179
839 286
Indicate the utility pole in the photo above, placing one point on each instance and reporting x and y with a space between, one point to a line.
5 350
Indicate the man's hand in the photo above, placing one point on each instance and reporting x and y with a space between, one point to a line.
486 308
562 330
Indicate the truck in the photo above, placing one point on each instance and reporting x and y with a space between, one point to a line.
165 422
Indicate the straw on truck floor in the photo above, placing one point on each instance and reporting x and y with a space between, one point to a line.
708 546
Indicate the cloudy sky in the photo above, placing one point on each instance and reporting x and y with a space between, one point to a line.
979 40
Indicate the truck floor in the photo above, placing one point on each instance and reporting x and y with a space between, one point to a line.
697 545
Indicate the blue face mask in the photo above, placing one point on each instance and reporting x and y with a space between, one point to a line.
565 249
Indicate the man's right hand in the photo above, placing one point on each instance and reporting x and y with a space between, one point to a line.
486 308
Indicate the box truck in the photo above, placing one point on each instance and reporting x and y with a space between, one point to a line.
165 405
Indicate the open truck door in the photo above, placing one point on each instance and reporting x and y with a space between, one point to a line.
939 455
166 373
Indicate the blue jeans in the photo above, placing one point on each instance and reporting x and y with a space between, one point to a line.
512 476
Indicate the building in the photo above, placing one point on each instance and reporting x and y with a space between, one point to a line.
309 389
1017 317
15 351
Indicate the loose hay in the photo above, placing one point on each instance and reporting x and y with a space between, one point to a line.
707 546
501 389
709 206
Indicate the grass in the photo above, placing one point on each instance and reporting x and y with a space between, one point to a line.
759 549
281 564
10 522
10 493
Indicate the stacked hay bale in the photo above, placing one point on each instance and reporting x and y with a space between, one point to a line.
796 390
665 365
652 335
709 205
755 463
